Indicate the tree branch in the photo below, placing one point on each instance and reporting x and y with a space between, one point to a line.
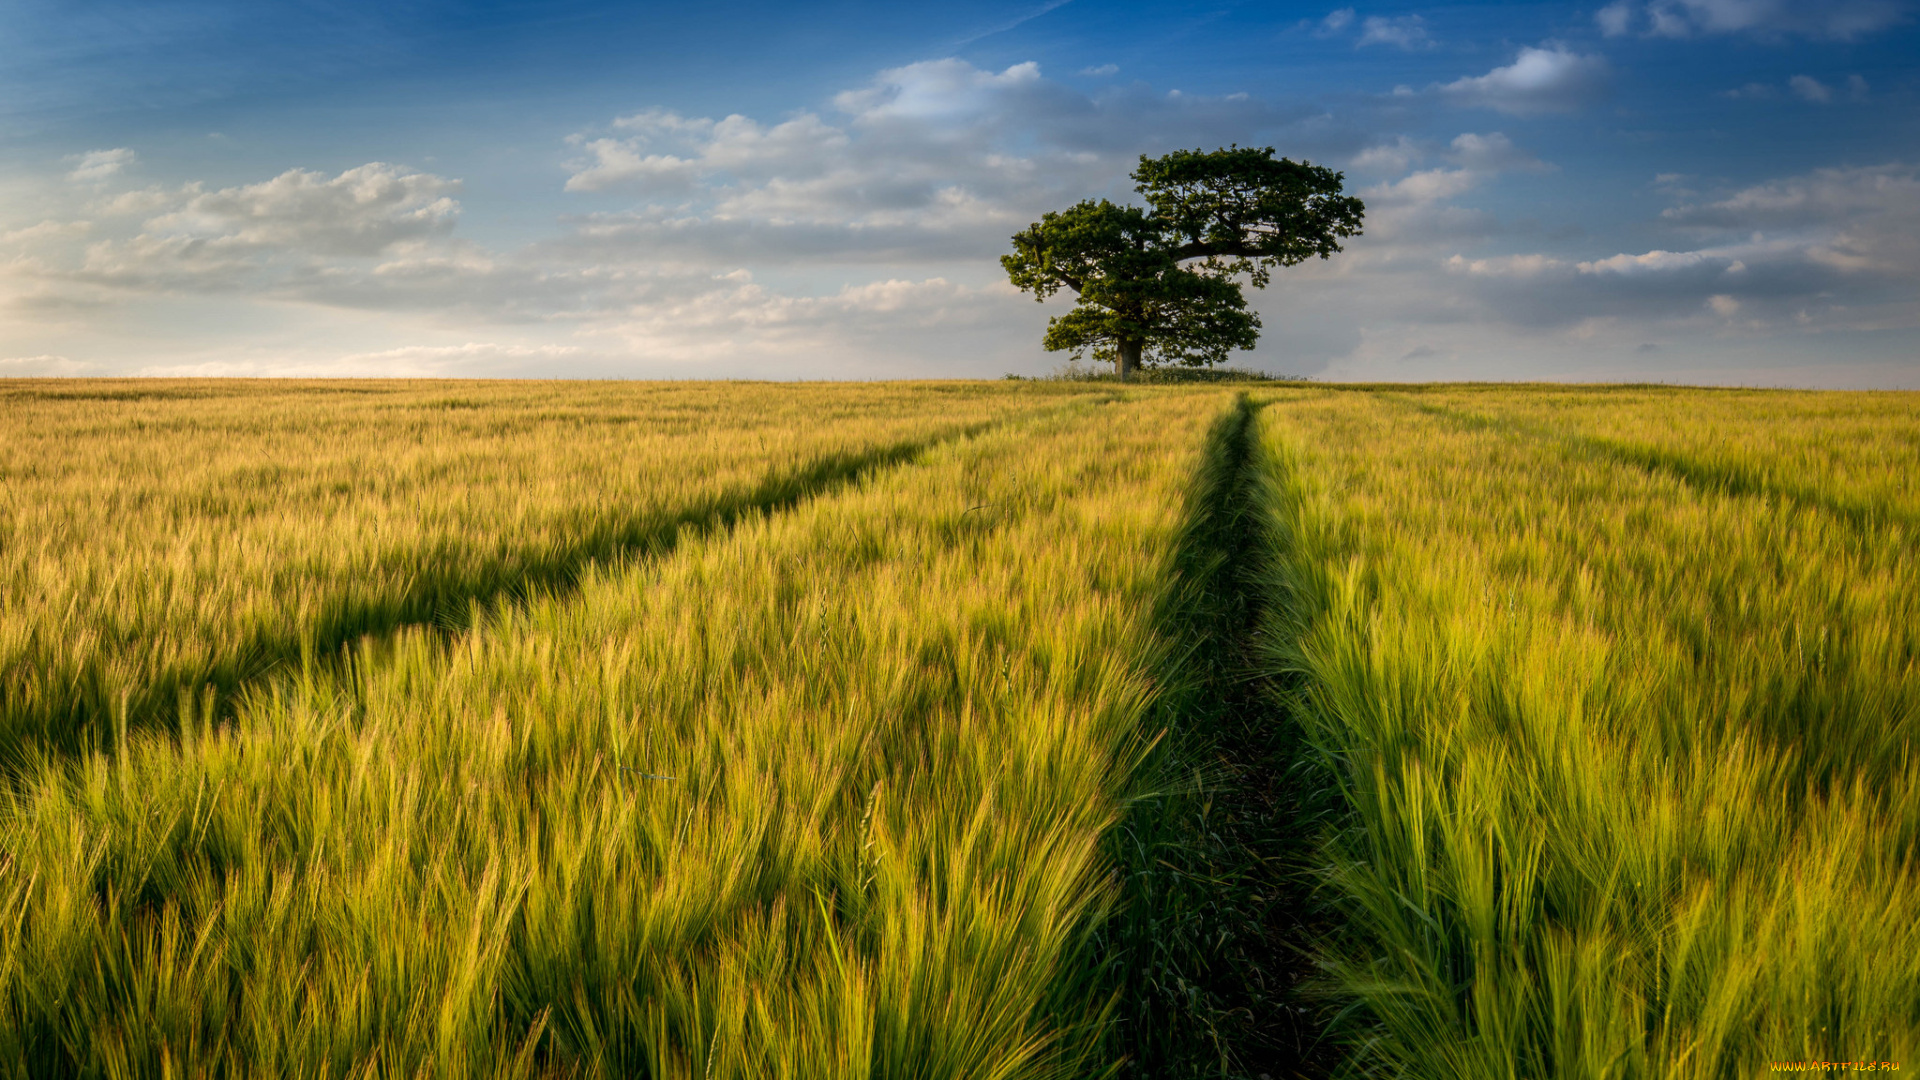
1200 249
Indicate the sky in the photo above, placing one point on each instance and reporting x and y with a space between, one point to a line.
1692 191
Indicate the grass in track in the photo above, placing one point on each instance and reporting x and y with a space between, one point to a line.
1218 919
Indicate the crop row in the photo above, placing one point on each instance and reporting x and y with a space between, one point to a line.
1626 753
824 794
997 731
161 540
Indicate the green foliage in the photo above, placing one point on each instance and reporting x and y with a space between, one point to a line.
1073 371
1238 212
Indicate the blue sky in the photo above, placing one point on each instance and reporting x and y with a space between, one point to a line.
1720 191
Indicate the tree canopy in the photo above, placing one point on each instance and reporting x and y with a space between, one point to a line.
1159 285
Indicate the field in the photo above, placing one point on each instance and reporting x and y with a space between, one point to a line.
955 730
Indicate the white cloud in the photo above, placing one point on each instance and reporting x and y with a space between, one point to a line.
617 162
1615 18
939 156
431 360
704 148
1425 188
1886 194
737 320
859 238
468 351
226 238
1417 210
363 211
143 201
881 218
1804 87
44 366
1839 19
1334 22
1506 266
1492 152
45 232
1394 157
1834 250
1407 32
98 166
1808 88
936 91
1550 79
1660 262
1101 71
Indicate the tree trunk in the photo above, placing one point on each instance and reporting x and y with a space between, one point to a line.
1129 359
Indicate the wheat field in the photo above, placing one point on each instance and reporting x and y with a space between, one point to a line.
1023 729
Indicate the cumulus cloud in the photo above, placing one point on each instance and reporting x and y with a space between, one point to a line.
1334 22
1535 290
1834 249
1548 79
936 91
1408 32
859 237
1417 209
1808 88
43 233
938 158
408 362
924 166
1804 87
224 238
734 145
1438 289
363 211
883 211
98 166
1393 157
471 357
44 366
1881 196
1492 152
738 320
1839 19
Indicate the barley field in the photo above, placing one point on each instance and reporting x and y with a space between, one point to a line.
161 539
1004 730
1619 691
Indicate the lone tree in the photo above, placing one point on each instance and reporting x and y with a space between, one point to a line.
1237 211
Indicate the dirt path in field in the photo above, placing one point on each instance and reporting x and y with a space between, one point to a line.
1221 919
